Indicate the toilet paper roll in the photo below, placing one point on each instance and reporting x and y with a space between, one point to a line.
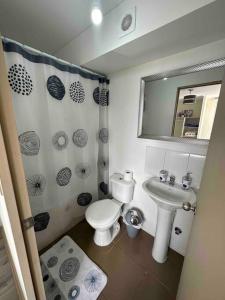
128 175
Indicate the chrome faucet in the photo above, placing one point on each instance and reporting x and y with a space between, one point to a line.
163 174
186 181
172 180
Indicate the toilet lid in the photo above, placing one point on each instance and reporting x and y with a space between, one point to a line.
103 212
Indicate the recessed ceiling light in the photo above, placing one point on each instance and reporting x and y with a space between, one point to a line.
96 16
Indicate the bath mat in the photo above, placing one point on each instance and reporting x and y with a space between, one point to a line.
69 274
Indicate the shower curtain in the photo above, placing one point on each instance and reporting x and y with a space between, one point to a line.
61 116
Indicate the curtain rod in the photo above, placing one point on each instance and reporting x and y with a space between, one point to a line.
35 51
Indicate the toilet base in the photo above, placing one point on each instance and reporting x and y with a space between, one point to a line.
105 237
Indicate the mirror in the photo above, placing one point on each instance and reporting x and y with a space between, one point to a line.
181 104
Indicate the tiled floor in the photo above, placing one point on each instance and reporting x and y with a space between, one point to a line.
132 272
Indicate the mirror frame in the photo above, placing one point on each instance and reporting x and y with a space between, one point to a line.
209 65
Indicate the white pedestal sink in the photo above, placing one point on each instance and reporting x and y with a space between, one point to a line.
168 199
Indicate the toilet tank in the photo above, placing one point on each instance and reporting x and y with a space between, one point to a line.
122 190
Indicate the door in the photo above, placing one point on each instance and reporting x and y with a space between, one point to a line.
204 265
9 133
12 229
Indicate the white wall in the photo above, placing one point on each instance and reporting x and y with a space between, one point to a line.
96 41
129 152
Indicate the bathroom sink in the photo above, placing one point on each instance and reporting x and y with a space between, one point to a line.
167 196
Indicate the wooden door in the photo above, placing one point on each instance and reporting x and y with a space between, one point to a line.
9 132
12 229
204 265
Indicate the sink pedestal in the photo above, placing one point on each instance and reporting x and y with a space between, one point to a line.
165 220
168 198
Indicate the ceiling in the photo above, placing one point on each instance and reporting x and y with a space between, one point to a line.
200 27
47 25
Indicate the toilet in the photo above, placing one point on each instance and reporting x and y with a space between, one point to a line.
103 215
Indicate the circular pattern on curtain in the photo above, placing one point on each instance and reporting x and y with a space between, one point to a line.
56 87
29 143
80 138
69 269
104 135
60 140
92 281
104 187
101 97
96 95
77 93
84 199
41 221
63 177
19 80
83 170
103 164
36 185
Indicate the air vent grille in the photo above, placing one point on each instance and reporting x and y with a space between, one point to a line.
218 63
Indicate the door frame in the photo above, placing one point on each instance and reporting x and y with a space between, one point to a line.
203 272
16 169
12 230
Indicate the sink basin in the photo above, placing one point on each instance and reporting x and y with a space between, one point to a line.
167 196
168 199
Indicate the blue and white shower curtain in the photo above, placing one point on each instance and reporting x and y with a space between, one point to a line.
61 116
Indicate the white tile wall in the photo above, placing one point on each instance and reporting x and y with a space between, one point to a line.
176 163
196 165
155 158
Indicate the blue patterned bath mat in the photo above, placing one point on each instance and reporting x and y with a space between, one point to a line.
69 274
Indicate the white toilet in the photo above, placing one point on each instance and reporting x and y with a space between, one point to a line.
103 215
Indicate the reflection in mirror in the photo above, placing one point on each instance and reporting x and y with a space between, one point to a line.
195 110
180 104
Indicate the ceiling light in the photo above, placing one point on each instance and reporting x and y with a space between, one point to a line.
96 16
165 78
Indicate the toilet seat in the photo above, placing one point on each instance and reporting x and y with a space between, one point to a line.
103 213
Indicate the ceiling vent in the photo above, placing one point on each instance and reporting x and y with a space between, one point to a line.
127 22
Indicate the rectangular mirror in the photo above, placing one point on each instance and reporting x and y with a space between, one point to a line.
181 104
